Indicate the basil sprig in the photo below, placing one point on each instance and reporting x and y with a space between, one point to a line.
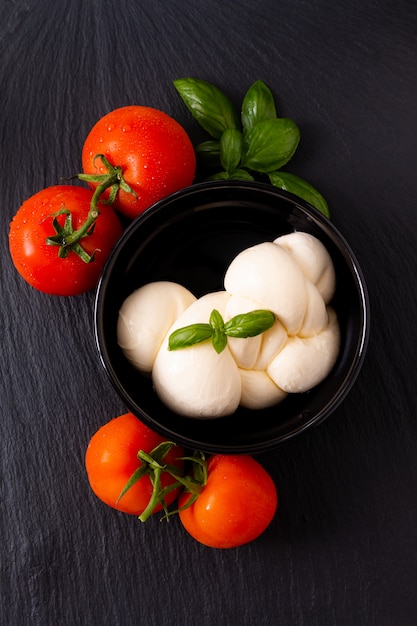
259 143
209 106
242 326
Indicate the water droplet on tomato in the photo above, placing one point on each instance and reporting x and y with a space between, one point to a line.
126 128
110 127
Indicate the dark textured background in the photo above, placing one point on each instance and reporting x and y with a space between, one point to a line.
342 549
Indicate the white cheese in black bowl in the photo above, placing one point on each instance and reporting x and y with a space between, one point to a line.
190 238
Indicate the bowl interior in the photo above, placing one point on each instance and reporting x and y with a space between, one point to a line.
190 238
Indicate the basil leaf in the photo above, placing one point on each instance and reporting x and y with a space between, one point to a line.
241 175
216 320
189 335
249 324
270 144
218 338
208 105
258 105
219 341
208 153
230 149
301 188
241 326
238 174
220 176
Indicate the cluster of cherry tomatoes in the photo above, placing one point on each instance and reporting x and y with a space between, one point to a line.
59 241
223 502
61 237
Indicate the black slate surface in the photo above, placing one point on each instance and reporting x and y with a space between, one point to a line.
342 548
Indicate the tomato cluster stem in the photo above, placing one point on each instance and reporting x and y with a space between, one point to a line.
69 239
152 465
84 230
112 180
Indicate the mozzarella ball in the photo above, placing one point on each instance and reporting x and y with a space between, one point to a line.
313 258
197 381
304 362
268 274
258 390
145 317
272 342
316 317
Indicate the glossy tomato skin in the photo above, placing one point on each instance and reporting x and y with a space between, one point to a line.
154 151
111 459
38 263
237 504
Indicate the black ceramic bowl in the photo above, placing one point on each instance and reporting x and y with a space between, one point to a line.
191 237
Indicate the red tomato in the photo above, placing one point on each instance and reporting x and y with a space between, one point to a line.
154 152
236 505
38 263
111 459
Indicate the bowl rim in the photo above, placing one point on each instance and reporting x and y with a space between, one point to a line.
361 343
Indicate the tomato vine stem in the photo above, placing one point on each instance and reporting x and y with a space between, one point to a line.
112 180
69 239
153 466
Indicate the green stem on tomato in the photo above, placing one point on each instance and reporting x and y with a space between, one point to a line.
193 483
112 180
155 499
153 466
69 239
158 493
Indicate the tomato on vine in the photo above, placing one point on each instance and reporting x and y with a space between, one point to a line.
234 505
152 151
58 244
129 467
224 502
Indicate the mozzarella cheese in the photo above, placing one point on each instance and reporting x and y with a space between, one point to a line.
258 390
268 274
316 317
196 381
293 277
145 317
304 362
244 351
272 342
314 259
